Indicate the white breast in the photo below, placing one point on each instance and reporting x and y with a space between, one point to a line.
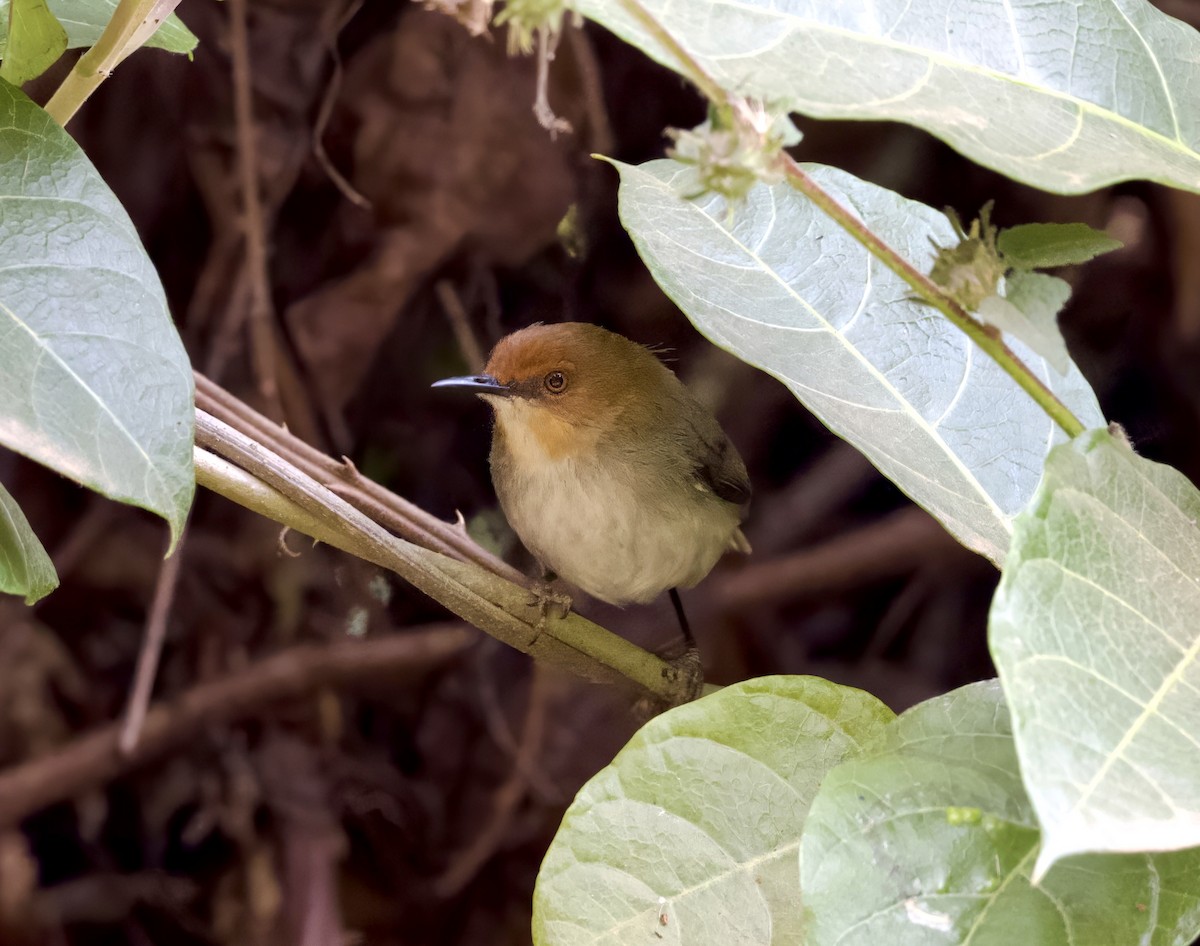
589 522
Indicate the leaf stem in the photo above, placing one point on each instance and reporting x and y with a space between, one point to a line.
687 63
987 339
133 22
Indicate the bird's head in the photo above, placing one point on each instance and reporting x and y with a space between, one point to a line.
565 384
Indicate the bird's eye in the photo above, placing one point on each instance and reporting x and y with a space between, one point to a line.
556 382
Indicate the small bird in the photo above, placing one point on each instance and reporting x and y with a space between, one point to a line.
611 473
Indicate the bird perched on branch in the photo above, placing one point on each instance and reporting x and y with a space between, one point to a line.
610 472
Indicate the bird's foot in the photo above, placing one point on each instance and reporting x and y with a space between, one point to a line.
543 596
690 671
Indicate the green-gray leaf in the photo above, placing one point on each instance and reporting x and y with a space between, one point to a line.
36 40
84 21
691 834
1043 245
1029 311
1064 96
1094 631
25 568
927 838
785 289
94 381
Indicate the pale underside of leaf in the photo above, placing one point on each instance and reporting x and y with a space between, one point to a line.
1107 566
1063 96
94 381
785 289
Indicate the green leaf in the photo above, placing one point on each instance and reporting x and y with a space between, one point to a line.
94 381
691 834
25 568
84 21
1094 631
36 40
777 283
1064 96
927 837
1028 310
1043 245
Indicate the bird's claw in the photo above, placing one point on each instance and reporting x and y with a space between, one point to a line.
690 670
542 596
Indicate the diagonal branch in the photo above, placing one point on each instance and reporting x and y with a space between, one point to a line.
96 758
253 476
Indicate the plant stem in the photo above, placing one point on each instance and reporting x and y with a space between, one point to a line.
688 64
987 339
267 484
132 23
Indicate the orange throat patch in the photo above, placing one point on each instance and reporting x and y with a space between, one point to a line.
534 434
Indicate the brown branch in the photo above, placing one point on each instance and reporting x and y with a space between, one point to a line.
470 860
248 473
599 128
151 650
886 549
95 759
325 110
262 316
460 324
395 513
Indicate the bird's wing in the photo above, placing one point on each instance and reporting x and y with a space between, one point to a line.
722 471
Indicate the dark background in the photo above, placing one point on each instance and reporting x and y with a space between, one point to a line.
416 809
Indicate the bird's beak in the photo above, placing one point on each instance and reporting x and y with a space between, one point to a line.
479 383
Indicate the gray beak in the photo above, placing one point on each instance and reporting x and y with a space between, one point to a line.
479 383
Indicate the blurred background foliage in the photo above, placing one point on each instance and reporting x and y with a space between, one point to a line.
414 212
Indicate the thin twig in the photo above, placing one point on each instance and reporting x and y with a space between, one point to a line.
460 324
95 759
883 550
599 127
325 111
95 522
468 862
547 46
152 643
262 316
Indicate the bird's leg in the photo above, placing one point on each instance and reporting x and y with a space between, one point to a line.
689 664
543 596
683 621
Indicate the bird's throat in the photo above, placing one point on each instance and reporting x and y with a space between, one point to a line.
533 434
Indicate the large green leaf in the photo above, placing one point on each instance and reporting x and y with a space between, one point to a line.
691 834
927 838
94 381
1042 245
84 21
1062 95
25 568
776 282
36 40
1095 632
